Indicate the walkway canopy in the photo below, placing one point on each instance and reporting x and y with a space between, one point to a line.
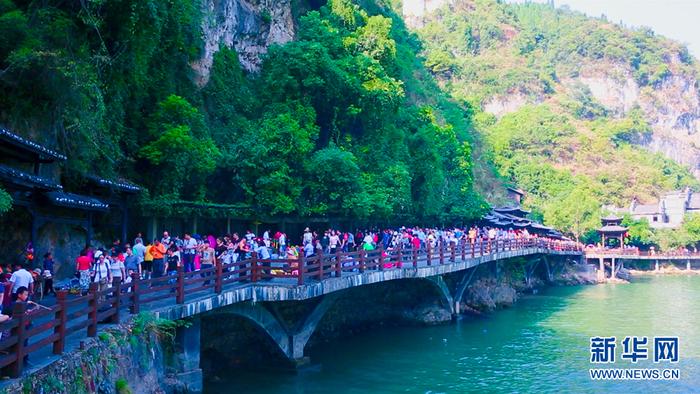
21 149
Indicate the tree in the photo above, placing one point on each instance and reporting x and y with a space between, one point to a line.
5 201
691 226
639 232
574 213
181 153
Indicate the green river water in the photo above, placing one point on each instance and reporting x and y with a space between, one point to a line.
540 345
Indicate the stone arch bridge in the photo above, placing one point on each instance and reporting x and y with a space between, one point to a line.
257 302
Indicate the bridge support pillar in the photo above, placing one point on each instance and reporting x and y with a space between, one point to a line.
687 265
447 299
612 268
656 265
601 270
461 287
186 356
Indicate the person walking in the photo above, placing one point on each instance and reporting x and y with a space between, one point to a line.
48 274
101 272
189 247
208 256
157 250
117 270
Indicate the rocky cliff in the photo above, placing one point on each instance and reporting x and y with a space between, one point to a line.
505 56
248 26
672 106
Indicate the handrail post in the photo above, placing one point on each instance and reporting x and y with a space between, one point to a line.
300 268
427 251
254 267
453 257
92 313
381 258
473 247
481 247
441 252
18 312
464 250
320 265
338 263
218 281
415 258
135 293
117 291
180 291
362 260
60 329
399 257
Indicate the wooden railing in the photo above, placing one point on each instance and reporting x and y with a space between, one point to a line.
32 330
633 251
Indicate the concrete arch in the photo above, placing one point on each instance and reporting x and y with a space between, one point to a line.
307 326
291 340
261 317
446 295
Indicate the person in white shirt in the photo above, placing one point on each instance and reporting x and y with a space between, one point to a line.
166 239
101 271
139 250
334 241
21 278
308 237
283 242
189 247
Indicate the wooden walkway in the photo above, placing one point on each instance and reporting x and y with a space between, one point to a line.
636 254
44 332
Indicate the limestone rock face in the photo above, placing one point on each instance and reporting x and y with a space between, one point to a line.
488 294
429 314
248 26
671 107
415 10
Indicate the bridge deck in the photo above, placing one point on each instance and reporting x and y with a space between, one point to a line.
47 333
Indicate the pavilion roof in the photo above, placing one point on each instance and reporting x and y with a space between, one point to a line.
612 229
611 218
71 200
16 177
31 147
517 211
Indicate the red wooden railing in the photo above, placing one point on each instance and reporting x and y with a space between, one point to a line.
30 331
633 251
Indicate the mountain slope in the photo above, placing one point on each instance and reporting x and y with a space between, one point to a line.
275 108
576 110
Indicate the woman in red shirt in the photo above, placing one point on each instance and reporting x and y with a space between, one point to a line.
82 265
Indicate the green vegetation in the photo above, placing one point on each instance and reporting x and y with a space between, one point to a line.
122 386
5 201
551 136
344 121
356 118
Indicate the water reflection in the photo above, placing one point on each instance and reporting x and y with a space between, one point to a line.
539 345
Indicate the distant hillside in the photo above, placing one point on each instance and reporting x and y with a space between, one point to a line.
578 111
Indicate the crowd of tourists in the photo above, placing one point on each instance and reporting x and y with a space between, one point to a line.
120 262
162 256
